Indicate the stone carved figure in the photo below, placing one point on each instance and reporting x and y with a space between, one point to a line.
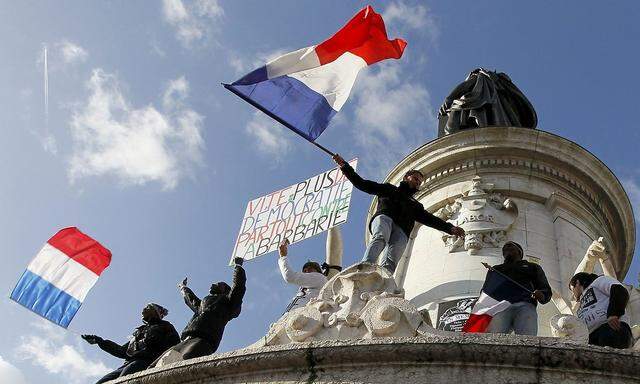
361 302
594 254
569 327
485 217
485 99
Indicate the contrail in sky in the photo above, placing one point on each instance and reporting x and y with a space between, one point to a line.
46 87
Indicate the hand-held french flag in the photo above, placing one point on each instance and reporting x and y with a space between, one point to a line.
497 294
304 89
58 279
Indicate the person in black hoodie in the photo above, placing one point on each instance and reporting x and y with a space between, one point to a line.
203 333
147 343
521 316
396 215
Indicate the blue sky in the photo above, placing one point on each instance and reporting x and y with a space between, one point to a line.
145 151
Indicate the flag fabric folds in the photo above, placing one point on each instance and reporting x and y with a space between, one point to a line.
497 294
304 89
58 279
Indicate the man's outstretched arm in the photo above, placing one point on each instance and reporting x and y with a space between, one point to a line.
190 298
435 222
238 288
112 348
366 186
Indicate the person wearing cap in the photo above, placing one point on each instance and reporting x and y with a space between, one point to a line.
602 300
395 216
147 342
309 281
202 335
521 317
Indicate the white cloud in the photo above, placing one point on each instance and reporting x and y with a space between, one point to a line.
9 374
50 350
269 136
72 53
633 190
243 65
392 116
417 17
192 20
137 146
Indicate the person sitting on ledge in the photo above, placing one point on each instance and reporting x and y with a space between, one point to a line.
310 280
147 343
203 333
521 316
602 300
396 215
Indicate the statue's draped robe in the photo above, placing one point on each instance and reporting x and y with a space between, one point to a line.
485 99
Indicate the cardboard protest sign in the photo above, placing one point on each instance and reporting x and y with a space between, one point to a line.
297 212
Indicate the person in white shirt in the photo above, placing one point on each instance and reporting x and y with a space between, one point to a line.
310 280
602 307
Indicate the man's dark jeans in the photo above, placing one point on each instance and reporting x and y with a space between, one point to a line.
127 368
605 336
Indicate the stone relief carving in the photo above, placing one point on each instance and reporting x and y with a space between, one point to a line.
570 328
361 302
485 216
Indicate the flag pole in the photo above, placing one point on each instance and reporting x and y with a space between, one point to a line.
507 277
276 118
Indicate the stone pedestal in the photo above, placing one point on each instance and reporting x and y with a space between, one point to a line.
545 192
497 359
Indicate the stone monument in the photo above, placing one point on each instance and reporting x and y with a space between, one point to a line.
492 173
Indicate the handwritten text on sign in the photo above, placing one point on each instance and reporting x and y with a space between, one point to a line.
296 213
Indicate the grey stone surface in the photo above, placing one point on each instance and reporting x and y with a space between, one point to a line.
433 359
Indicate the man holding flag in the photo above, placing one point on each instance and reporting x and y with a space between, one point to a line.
396 215
509 296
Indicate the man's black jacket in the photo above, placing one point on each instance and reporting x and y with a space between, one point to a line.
148 342
397 202
213 312
529 275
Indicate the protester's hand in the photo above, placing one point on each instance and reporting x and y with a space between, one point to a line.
183 284
457 231
614 322
283 249
92 339
238 261
537 295
339 160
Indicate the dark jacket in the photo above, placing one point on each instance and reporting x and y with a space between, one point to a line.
529 275
213 312
397 202
147 343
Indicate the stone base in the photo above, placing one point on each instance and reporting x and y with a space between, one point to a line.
468 359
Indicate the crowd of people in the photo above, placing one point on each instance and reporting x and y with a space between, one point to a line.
602 300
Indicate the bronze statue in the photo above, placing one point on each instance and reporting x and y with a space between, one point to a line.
485 99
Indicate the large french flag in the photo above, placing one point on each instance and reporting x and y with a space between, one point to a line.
58 279
497 294
304 89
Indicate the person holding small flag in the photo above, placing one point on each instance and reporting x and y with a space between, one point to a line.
396 215
602 300
148 342
509 296
309 281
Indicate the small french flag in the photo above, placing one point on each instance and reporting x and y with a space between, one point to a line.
304 89
58 279
497 294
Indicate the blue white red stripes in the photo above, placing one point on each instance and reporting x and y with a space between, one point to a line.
58 279
497 294
304 89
